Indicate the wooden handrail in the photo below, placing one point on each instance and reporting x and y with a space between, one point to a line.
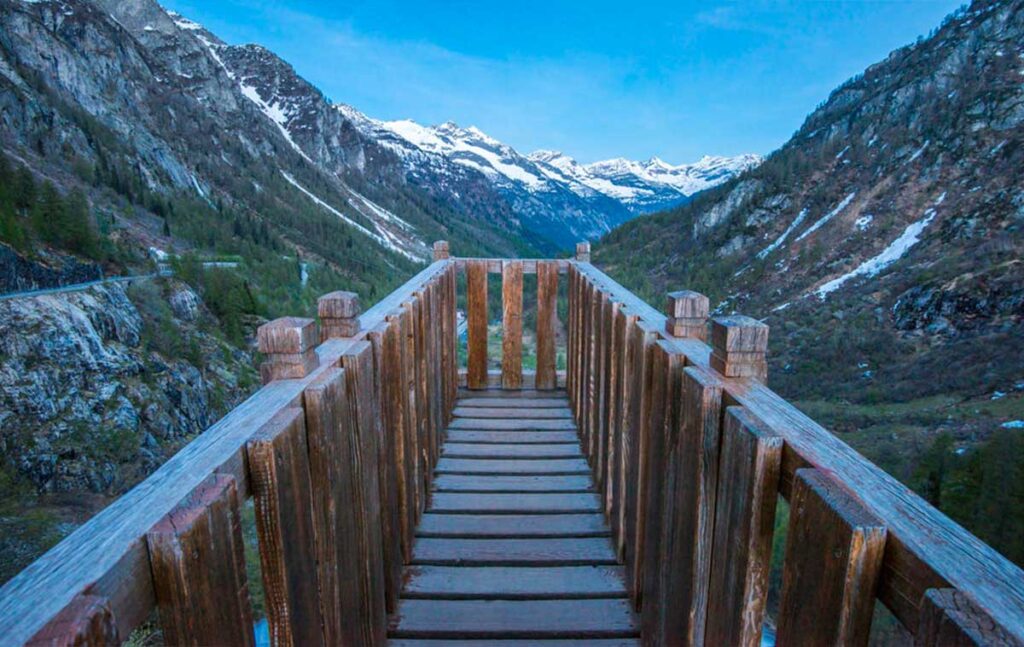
923 549
106 559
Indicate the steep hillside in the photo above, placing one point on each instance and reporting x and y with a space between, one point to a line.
883 245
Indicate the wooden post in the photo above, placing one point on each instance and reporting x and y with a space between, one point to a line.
583 252
87 621
626 391
949 618
198 563
833 559
739 346
395 401
687 315
289 346
280 483
547 300
339 315
441 250
748 484
476 332
512 324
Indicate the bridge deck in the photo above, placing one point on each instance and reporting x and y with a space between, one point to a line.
513 545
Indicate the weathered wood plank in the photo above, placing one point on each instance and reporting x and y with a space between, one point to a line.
514 619
492 483
476 330
512 526
512 324
505 412
467 396
744 522
514 437
504 424
86 622
950 619
518 503
613 402
547 296
529 380
514 582
537 466
395 399
279 472
198 564
514 403
558 551
513 451
833 559
494 265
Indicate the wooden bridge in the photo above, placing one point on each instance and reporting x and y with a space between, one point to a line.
626 499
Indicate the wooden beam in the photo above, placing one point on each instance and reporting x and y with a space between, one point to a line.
744 523
476 332
950 618
198 563
86 622
547 301
530 265
512 325
833 559
279 471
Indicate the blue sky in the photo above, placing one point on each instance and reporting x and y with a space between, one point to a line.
595 79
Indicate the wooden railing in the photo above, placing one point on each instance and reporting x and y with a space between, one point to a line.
689 448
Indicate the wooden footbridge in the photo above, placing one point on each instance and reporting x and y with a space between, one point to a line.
627 499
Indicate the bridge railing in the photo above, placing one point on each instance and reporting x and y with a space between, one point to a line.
336 450
691 452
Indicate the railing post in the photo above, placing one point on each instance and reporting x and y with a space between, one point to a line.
512 324
687 315
476 331
289 346
739 347
547 301
339 315
583 252
441 250
198 563
833 560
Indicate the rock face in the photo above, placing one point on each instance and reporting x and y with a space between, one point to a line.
88 403
897 206
18 274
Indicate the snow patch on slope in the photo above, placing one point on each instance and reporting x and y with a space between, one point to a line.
828 216
800 217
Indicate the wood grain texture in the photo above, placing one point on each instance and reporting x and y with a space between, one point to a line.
517 437
198 563
512 324
564 551
503 466
86 622
950 618
494 265
833 559
505 412
512 525
505 424
522 402
514 582
924 548
394 394
467 397
751 459
547 298
512 450
279 472
514 503
476 330
514 619
491 483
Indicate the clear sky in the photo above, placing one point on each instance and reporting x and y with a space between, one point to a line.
592 78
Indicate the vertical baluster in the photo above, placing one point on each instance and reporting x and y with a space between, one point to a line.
617 470
547 299
593 370
744 522
949 618
198 564
280 482
512 324
608 308
395 401
570 382
586 315
412 425
419 361
833 559
453 341
476 304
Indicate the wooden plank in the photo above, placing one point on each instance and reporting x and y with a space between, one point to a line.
498 424
476 330
524 467
518 437
512 324
491 483
279 471
198 564
511 450
950 618
514 582
107 555
547 296
608 309
512 526
518 503
613 402
514 619
586 375
751 458
833 559
515 403
568 642
625 389
419 361
395 398
560 551
465 395
411 453
86 622
505 412
529 264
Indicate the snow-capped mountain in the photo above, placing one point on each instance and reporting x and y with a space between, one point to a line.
566 200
